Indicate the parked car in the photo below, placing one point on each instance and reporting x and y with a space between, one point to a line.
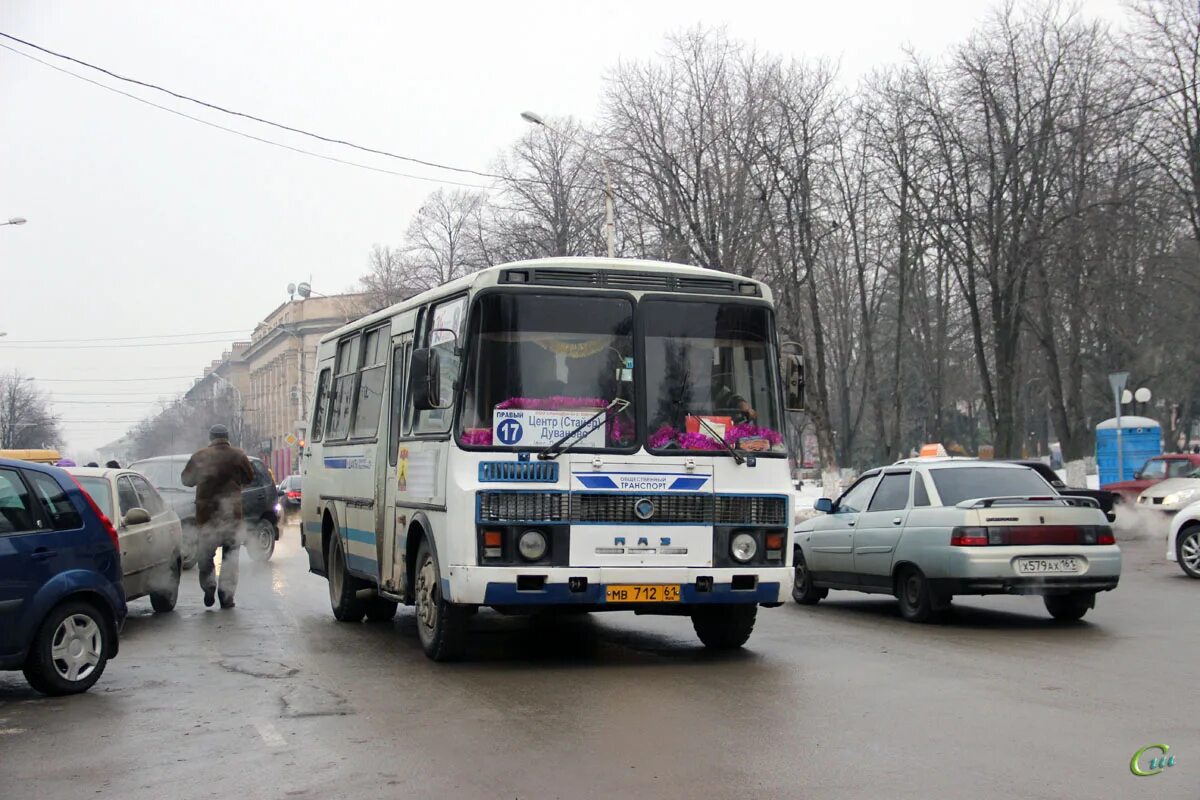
1106 499
925 530
149 531
1183 540
1153 471
260 504
62 605
289 492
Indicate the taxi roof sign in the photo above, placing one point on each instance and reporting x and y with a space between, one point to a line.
934 449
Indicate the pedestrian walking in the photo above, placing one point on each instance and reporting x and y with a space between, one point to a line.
218 472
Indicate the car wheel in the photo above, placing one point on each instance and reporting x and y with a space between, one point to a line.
1069 607
70 650
191 543
917 603
441 625
343 587
380 609
724 627
260 544
1187 550
166 592
803 591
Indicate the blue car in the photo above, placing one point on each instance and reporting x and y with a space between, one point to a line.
62 605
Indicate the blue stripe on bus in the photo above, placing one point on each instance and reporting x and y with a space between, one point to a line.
359 535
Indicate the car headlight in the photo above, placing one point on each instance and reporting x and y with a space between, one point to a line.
743 547
1178 498
532 545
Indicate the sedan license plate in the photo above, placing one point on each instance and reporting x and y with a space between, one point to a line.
642 593
1048 566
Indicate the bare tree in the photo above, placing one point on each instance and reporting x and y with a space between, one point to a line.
1166 49
387 280
442 241
554 194
26 420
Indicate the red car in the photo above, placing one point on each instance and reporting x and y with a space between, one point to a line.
1156 469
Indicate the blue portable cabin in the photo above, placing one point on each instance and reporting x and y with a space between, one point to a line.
1141 439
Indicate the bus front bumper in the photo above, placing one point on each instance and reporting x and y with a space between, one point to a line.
517 586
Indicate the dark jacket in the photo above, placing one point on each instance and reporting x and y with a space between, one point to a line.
218 472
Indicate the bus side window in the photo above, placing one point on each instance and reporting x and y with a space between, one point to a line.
443 332
321 404
370 384
400 354
344 388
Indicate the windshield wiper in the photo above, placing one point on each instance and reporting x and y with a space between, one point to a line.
736 456
556 449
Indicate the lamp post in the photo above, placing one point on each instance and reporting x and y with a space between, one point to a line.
241 404
14 221
610 226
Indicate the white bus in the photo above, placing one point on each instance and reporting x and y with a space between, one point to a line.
573 433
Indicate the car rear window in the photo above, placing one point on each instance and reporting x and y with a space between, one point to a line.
292 484
970 483
161 474
99 490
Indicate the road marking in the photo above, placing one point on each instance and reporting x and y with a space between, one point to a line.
11 731
270 735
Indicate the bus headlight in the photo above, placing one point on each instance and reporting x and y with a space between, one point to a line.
532 545
743 547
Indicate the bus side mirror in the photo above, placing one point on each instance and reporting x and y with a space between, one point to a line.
426 371
793 381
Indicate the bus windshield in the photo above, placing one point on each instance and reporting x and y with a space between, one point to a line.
710 373
540 365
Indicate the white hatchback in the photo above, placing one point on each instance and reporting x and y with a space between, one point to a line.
150 533
1183 540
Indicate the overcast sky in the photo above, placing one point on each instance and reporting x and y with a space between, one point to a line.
145 223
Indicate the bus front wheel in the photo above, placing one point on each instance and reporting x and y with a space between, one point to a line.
724 627
441 625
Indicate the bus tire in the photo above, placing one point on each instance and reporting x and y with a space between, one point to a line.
343 587
724 627
441 625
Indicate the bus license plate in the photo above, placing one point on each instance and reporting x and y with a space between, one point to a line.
1048 566
642 593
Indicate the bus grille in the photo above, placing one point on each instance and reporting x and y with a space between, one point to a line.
751 510
518 472
522 507
618 508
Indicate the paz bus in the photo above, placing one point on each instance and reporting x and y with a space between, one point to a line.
568 434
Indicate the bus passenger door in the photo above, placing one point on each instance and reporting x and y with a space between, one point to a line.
395 520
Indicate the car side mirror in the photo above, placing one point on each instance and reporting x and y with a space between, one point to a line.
824 505
136 516
426 371
792 367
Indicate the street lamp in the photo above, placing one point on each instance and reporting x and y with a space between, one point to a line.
535 119
15 221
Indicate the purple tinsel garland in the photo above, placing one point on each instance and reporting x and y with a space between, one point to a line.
665 435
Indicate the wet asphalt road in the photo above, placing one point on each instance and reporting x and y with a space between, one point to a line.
276 700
